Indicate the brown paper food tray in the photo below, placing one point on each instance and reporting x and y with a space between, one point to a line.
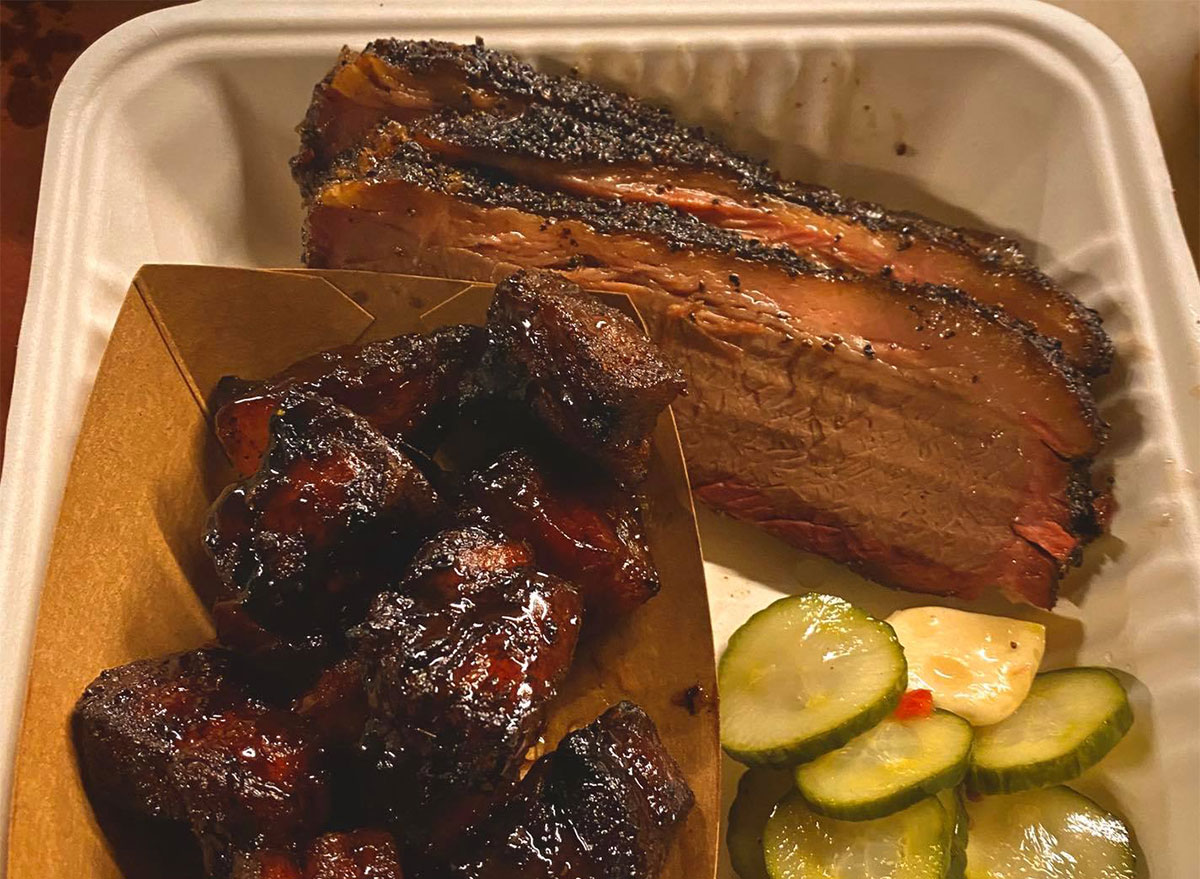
126 563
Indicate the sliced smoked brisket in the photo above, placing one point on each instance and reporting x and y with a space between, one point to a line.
930 441
479 106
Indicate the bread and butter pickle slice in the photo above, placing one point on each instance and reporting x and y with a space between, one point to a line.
758 792
803 677
952 801
888 768
1068 722
1052 832
913 843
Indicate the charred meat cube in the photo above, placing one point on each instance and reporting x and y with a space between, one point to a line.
286 664
459 667
266 865
587 370
405 387
359 854
356 854
605 804
252 778
332 514
584 529
183 737
130 720
456 565
464 563
336 704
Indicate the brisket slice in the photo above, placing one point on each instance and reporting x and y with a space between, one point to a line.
564 133
938 334
930 442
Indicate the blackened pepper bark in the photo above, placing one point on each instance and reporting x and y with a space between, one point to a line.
480 106
930 441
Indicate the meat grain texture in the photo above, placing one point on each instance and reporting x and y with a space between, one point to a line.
906 398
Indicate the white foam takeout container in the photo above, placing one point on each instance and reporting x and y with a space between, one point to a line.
169 139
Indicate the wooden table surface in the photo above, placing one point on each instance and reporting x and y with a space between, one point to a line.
40 40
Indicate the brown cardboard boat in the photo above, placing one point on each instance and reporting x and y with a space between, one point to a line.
127 575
